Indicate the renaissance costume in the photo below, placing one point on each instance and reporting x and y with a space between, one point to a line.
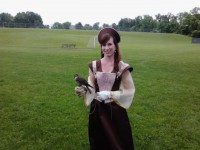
109 126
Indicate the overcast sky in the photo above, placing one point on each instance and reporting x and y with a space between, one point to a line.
92 11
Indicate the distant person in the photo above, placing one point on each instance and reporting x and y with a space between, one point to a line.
113 92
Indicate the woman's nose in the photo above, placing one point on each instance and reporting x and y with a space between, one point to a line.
106 47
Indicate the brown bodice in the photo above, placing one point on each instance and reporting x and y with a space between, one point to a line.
106 78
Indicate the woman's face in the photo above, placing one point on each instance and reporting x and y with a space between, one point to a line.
108 49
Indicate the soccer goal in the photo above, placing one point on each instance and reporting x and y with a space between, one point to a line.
92 42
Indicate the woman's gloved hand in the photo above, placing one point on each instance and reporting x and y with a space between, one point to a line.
103 95
80 90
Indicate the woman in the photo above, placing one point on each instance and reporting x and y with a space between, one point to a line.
113 92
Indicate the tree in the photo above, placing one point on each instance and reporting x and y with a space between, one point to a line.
192 22
147 23
196 34
96 26
87 27
6 18
137 24
125 24
66 25
189 22
79 26
195 10
28 19
114 25
171 23
173 26
57 25
106 25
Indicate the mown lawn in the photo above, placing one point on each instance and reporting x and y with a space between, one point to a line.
39 109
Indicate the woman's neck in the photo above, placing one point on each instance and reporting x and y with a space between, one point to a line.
107 64
108 59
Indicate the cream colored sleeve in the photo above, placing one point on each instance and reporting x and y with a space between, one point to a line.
88 98
125 95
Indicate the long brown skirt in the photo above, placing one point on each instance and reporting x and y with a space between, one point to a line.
109 127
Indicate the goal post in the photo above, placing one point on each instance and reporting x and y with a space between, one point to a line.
92 42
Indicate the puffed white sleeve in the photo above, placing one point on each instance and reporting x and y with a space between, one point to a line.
124 96
88 98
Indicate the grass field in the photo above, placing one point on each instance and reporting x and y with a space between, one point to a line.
39 110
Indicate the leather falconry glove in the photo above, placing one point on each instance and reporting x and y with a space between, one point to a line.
80 90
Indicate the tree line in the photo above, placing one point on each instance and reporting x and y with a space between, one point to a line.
22 20
183 23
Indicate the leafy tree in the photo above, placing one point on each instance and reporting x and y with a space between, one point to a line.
125 24
195 11
106 25
137 24
147 23
96 26
190 23
57 25
79 26
30 19
115 26
163 21
6 18
196 34
87 27
173 26
168 23
66 25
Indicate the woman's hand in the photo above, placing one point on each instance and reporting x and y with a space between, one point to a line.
80 90
103 95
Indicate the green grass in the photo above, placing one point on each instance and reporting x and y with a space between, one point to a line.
39 109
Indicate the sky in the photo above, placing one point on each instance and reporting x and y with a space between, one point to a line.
92 11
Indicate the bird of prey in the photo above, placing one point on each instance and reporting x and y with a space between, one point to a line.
81 81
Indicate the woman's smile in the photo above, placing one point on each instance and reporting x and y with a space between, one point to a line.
109 48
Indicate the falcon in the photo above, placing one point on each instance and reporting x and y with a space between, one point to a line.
81 81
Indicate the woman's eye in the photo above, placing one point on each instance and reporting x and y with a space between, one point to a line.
108 44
